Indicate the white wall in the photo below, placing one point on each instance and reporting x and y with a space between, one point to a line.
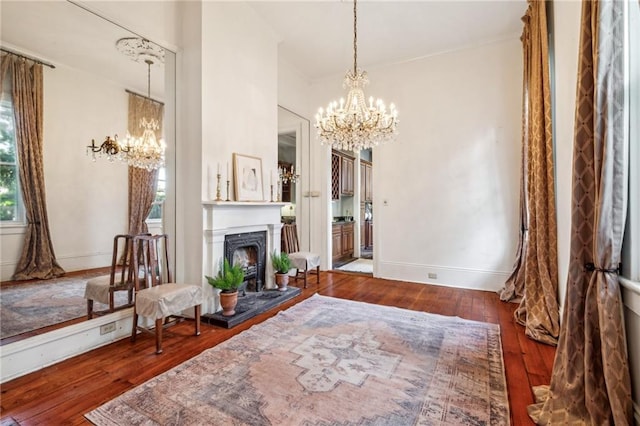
239 87
450 181
86 200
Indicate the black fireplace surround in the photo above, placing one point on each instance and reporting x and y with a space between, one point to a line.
248 249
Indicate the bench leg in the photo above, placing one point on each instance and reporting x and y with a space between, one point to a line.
317 275
89 308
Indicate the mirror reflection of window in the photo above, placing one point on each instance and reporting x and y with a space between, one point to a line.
11 210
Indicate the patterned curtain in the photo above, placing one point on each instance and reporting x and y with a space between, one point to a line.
37 259
590 383
535 276
142 182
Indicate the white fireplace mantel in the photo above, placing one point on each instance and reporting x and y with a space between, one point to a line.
221 218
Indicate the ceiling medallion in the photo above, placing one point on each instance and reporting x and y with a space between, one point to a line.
140 50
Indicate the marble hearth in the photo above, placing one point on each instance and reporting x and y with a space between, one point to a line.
222 218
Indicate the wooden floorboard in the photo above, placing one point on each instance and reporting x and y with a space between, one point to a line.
64 392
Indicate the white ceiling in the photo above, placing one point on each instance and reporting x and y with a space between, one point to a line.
67 35
317 36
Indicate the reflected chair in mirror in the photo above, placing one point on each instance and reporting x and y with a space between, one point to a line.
103 289
304 261
156 296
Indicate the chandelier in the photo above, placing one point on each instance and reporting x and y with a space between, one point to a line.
145 152
110 148
288 175
354 125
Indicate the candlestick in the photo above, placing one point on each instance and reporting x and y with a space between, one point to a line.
218 198
272 193
228 181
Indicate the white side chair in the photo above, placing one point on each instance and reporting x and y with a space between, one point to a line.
304 261
102 289
156 296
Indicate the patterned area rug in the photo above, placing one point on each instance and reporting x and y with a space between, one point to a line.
30 306
358 265
329 361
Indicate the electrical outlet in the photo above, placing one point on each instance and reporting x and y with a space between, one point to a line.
107 328
433 275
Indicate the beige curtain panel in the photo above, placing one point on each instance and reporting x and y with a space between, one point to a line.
590 383
142 182
535 276
37 259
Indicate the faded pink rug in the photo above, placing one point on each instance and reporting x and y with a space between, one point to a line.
328 361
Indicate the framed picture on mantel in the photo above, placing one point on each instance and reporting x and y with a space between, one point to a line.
247 178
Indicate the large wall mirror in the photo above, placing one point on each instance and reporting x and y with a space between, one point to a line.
85 97
294 155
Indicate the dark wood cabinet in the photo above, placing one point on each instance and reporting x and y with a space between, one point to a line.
335 175
346 175
366 181
336 238
342 175
368 235
342 240
347 239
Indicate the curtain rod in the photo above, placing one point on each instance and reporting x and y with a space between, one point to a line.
143 96
31 58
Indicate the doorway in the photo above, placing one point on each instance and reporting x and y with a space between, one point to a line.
352 211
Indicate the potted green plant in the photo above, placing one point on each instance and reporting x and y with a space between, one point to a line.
229 278
282 266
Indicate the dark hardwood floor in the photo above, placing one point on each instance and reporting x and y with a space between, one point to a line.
62 393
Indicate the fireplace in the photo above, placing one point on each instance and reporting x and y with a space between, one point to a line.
248 250
224 220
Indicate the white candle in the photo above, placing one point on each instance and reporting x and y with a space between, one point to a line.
271 177
228 171
218 167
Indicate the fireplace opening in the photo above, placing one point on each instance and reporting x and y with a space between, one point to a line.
249 251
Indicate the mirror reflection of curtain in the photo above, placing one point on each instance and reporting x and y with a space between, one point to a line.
590 383
142 182
37 260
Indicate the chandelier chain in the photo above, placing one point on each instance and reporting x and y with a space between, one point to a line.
355 38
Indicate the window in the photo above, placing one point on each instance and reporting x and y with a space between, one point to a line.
10 198
161 194
631 244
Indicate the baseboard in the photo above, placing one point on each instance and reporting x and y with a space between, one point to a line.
475 279
70 263
34 353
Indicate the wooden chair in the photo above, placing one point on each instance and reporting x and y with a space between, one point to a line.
102 289
303 261
156 296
